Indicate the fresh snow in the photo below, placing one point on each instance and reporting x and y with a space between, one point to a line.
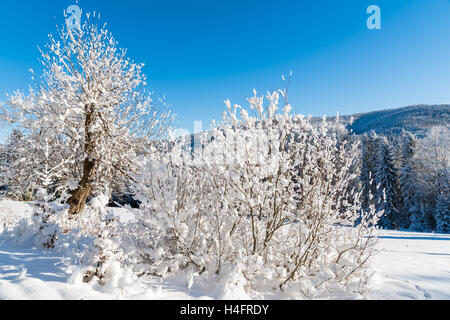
413 265
408 265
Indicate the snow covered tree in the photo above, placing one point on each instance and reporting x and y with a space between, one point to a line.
442 211
4 168
369 148
432 175
48 177
92 103
407 179
16 173
386 178
434 157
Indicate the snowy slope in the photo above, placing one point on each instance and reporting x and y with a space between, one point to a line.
408 266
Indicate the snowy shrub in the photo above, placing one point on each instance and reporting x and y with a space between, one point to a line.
91 241
265 196
103 256
8 219
49 231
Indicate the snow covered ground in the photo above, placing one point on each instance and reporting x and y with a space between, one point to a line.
408 266
412 266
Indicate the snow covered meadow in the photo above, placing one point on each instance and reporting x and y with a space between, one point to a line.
412 265
408 265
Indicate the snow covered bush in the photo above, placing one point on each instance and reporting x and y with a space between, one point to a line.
91 241
48 231
8 219
263 198
103 256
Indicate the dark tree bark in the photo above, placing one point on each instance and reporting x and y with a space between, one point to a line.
78 197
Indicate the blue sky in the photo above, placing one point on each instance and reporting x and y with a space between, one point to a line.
199 53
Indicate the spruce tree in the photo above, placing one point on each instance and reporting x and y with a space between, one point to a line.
388 193
368 164
408 188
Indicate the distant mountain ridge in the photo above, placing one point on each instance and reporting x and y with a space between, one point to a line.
417 119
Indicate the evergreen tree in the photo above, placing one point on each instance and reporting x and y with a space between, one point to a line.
368 164
15 171
388 193
442 214
407 177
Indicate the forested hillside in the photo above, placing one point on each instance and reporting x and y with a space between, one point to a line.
415 119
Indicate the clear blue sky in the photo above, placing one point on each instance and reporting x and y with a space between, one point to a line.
199 53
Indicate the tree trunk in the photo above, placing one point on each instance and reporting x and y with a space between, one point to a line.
78 197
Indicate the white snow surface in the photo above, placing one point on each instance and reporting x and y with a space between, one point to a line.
412 265
408 265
